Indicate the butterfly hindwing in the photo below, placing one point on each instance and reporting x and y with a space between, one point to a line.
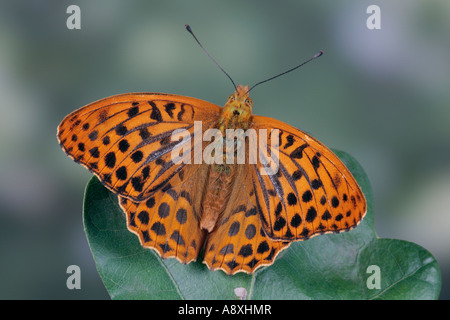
239 243
167 222
126 140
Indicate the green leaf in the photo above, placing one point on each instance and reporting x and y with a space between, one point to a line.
350 265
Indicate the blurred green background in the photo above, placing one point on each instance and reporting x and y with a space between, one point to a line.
380 95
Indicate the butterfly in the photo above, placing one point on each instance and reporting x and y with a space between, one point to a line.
239 216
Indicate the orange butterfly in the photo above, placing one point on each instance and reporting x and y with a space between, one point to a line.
240 215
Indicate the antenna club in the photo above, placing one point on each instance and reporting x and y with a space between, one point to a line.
318 54
188 28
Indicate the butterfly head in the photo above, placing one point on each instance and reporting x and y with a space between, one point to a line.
240 98
238 109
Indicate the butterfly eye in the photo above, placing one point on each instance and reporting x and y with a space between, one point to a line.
248 101
231 98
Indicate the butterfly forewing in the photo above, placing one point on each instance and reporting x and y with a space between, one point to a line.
312 192
126 140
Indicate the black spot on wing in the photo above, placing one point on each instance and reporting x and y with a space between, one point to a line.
134 110
137 156
144 134
95 153
169 109
110 160
93 135
155 114
298 152
290 141
121 130
181 113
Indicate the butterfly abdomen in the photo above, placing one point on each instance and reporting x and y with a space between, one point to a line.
216 195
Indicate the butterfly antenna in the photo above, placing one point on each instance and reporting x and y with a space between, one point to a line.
188 28
318 54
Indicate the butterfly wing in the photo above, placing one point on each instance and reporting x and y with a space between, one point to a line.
167 222
239 243
312 192
126 140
